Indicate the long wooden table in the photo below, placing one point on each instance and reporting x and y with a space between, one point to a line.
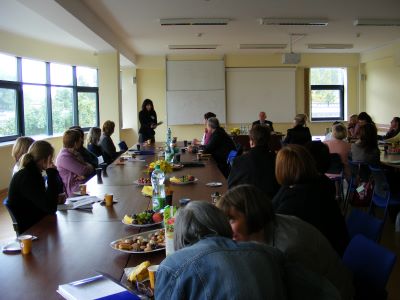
74 244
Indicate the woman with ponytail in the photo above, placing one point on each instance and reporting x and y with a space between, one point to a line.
30 196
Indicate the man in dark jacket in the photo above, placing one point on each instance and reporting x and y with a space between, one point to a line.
219 146
262 120
257 167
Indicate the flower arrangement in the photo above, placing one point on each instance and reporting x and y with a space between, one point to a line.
235 131
165 166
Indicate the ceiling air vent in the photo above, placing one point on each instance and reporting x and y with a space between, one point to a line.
191 47
294 22
330 46
262 46
193 21
377 22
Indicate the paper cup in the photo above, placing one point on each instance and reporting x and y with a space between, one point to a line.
108 198
152 275
82 189
26 243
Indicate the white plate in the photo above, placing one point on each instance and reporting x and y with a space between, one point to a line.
12 247
214 184
145 233
141 225
186 182
141 184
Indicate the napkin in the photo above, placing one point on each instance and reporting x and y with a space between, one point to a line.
147 191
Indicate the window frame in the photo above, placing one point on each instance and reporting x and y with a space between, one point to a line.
328 87
18 86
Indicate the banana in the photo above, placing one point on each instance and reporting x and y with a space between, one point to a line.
140 273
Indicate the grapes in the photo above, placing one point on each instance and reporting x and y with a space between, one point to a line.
144 217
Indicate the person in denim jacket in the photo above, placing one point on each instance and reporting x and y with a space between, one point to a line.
208 264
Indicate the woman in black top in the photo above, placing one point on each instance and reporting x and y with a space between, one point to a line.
299 134
30 196
148 121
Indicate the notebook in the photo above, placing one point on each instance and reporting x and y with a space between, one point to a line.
97 287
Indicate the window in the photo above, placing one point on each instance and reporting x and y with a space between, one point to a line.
42 98
327 93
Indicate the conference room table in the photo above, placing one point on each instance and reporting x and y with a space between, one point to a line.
74 244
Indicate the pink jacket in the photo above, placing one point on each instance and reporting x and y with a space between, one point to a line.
343 149
71 166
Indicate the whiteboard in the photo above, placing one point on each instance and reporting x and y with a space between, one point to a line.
194 88
251 90
189 107
195 75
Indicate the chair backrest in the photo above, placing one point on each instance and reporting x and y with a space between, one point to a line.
231 157
360 222
370 263
122 146
13 218
381 185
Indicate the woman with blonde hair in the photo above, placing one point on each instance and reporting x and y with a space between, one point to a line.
20 147
300 133
29 197
93 138
304 193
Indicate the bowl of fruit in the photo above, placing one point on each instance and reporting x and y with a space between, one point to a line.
143 181
145 218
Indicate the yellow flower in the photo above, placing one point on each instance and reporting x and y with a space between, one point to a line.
164 166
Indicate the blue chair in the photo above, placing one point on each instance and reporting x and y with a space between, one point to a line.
13 218
231 156
371 265
382 197
123 146
360 222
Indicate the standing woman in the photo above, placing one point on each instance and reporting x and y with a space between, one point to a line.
28 196
148 121
20 147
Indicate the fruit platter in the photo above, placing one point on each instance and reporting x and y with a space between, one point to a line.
393 151
143 242
186 179
145 218
143 181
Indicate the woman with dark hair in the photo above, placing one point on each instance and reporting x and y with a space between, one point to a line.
393 130
208 264
29 198
304 194
365 149
362 119
148 121
70 163
252 218
207 133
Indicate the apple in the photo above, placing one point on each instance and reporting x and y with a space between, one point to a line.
190 178
157 217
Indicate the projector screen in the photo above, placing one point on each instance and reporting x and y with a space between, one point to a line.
251 90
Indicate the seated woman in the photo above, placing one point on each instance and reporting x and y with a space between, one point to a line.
208 264
362 119
106 143
338 145
93 138
300 133
29 198
393 130
252 218
73 169
20 147
207 133
351 126
219 146
87 156
306 194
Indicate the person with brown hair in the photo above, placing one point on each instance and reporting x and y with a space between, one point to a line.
29 198
252 218
87 156
304 194
70 163
20 147
300 133
256 167
106 143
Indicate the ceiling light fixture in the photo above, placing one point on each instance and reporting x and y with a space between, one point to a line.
262 46
294 22
330 46
191 47
194 21
377 22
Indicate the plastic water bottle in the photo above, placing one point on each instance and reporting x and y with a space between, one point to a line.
169 151
157 182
